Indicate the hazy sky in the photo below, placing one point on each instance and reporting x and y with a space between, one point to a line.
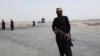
28 10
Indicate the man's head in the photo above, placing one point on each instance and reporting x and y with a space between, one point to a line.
59 12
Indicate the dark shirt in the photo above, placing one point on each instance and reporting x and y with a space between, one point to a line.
61 23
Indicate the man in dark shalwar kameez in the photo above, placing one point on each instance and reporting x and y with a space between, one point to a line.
12 24
3 24
63 40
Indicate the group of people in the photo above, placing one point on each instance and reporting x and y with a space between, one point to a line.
11 25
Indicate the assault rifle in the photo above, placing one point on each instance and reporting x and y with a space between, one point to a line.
62 37
62 34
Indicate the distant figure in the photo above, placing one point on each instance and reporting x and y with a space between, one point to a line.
3 25
12 25
33 23
61 27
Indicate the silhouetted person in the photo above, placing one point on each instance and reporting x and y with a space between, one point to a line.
3 25
12 25
61 27
33 23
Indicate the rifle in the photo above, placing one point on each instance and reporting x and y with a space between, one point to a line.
62 34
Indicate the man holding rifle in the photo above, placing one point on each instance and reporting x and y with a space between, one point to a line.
61 27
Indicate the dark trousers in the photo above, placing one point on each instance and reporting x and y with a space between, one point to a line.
12 27
64 47
3 27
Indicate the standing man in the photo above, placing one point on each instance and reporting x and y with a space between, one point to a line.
3 24
33 23
12 25
63 40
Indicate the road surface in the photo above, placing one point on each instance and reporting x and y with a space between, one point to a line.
40 41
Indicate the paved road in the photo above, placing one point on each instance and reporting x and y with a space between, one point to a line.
40 41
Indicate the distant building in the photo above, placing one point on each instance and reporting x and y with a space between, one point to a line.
43 20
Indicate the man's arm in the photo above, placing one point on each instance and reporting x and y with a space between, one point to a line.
54 27
68 25
67 33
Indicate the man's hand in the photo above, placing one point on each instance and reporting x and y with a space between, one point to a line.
55 31
66 36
